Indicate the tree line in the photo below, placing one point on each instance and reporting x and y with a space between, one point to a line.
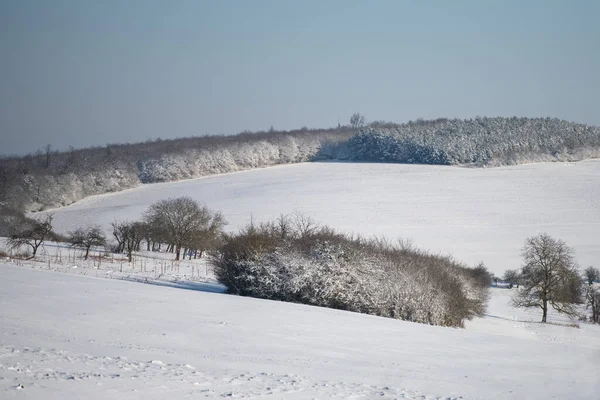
180 225
478 141
49 179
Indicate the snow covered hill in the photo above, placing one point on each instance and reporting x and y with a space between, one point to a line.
473 214
64 336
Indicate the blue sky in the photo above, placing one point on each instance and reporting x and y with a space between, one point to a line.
86 73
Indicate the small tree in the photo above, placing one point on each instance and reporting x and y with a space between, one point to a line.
592 294
357 121
548 276
128 236
31 232
511 276
86 238
591 274
592 297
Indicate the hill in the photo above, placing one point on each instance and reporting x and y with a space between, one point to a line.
68 337
49 179
473 214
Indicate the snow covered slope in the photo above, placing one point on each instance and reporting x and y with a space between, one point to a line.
474 214
65 337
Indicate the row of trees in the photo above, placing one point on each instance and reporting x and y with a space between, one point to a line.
179 223
549 277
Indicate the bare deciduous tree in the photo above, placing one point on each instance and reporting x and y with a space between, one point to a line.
86 238
31 232
512 277
592 294
591 274
592 297
548 276
357 121
302 225
128 236
184 223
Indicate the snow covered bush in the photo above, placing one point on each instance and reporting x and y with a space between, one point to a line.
324 268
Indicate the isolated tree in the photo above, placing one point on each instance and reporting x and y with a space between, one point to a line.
182 221
548 277
512 277
357 121
31 232
86 238
591 274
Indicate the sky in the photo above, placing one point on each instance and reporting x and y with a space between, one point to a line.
87 73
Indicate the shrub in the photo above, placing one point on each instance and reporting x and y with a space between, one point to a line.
322 267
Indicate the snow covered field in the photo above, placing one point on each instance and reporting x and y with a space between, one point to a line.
474 214
64 336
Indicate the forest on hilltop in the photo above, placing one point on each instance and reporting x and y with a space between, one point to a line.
49 179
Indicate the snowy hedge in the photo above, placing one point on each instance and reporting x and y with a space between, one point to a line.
328 269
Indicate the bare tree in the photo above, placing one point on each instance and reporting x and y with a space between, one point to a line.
207 237
302 225
592 297
592 294
86 238
357 121
548 276
48 149
183 222
128 236
512 277
591 274
284 227
31 232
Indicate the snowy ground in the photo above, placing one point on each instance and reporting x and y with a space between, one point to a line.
158 268
64 336
475 214
68 333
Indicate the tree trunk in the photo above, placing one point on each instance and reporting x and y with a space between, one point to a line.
545 311
87 253
177 253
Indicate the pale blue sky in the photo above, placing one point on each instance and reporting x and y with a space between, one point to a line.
91 72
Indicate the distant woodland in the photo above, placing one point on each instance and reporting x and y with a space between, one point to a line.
49 179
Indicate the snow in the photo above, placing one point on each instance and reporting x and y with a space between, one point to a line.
112 329
474 214
68 336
